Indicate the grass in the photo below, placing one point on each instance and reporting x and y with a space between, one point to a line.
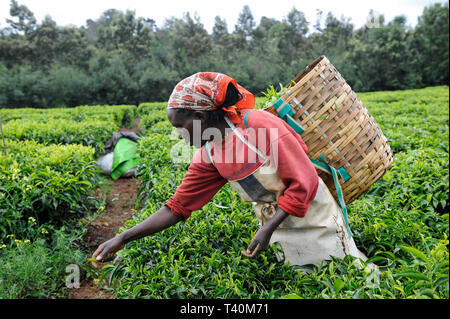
37 269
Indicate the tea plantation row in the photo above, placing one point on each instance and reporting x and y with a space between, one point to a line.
86 125
47 179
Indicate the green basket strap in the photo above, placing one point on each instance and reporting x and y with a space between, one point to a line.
344 174
245 118
322 164
286 114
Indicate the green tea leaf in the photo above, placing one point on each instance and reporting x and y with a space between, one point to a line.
413 275
417 253
291 296
338 285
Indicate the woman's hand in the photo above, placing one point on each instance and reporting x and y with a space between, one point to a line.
158 221
259 242
108 248
262 237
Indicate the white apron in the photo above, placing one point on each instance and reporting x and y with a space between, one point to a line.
307 240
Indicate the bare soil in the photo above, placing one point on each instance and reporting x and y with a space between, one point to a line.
120 203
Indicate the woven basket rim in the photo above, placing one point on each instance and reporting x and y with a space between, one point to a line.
306 70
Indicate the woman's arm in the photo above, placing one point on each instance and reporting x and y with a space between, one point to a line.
160 220
201 182
262 237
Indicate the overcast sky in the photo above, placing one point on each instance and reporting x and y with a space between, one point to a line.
66 12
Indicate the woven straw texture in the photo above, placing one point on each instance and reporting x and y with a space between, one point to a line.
338 126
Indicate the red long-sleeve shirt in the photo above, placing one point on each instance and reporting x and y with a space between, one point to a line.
203 179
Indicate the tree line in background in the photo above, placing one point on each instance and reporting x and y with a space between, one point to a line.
120 58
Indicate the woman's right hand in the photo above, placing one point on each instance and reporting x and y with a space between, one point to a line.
158 221
108 248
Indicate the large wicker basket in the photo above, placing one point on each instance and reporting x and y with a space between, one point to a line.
336 128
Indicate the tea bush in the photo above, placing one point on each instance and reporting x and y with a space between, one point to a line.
94 133
44 190
48 183
86 125
164 128
147 121
149 108
122 115
411 119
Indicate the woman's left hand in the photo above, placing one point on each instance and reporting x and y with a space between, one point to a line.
259 242
262 237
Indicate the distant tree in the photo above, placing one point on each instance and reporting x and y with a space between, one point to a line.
122 58
298 28
4 85
68 86
25 86
189 42
23 20
280 36
261 32
297 21
44 39
116 30
243 30
318 24
73 48
220 33
336 31
156 81
381 59
110 81
15 47
430 44
288 37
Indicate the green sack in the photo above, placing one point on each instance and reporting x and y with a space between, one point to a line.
125 157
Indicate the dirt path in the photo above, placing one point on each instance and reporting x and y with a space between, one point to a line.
120 202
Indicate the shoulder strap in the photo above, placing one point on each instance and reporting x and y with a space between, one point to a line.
242 138
208 152
245 118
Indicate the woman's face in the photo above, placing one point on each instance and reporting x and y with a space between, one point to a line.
189 124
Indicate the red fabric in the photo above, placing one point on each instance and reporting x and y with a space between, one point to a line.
203 180
205 91
294 167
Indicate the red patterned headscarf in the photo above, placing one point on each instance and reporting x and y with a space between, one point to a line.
205 91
